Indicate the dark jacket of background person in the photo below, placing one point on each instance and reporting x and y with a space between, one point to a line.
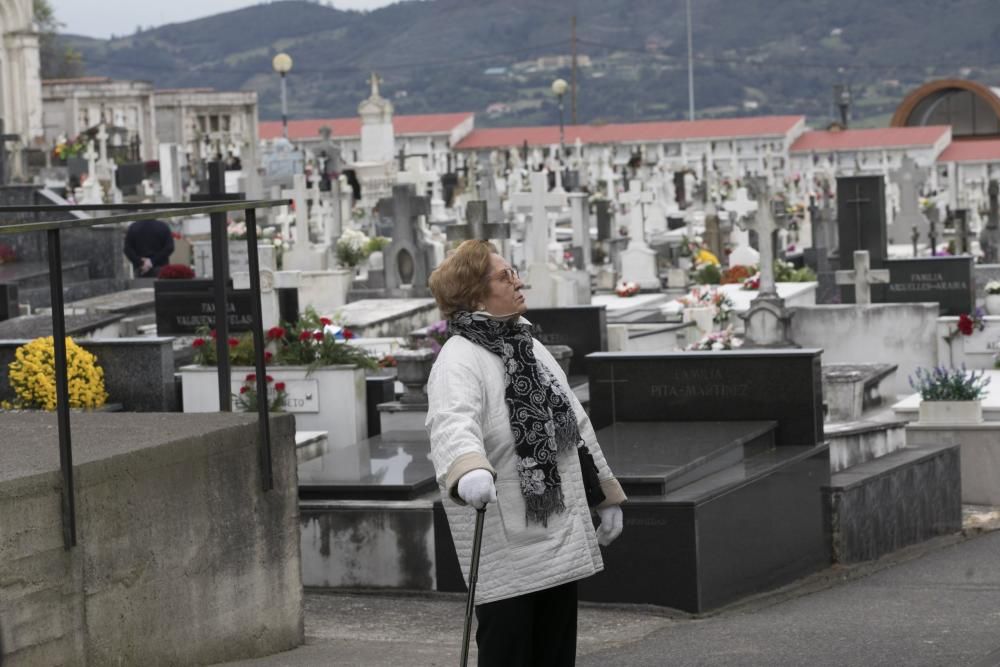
152 239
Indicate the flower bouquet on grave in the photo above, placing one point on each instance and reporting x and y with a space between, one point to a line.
717 340
968 324
32 376
7 254
313 341
437 335
992 287
737 274
352 248
627 289
176 272
246 399
710 297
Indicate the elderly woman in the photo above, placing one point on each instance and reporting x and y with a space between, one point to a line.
507 431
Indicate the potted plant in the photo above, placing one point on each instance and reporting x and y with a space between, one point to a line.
992 290
320 372
950 395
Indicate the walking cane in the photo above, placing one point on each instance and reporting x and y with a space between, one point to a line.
477 542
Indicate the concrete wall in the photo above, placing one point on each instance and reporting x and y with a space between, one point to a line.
181 559
897 333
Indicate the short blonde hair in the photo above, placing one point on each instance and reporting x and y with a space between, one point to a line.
461 282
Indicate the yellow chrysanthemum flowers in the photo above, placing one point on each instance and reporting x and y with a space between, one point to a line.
33 379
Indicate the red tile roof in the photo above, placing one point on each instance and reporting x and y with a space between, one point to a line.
724 128
987 150
440 123
883 137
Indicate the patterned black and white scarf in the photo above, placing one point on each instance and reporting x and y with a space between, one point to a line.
541 415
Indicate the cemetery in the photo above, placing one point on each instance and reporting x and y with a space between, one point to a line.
786 373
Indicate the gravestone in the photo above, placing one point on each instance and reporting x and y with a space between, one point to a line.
8 301
409 259
740 208
989 237
239 257
602 209
947 280
712 538
909 178
582 328
861 224
478 225
862 277
639 260
580 217
960 219
185 306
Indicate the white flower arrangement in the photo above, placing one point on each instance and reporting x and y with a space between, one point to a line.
718 340
352 248
992 287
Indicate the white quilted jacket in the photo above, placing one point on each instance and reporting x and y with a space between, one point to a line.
469 428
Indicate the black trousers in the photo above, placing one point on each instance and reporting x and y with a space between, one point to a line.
529 630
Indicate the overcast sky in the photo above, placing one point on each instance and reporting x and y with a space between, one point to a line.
103 18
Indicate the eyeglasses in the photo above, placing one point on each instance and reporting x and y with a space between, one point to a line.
508 275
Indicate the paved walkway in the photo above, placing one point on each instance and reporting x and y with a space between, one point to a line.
934 604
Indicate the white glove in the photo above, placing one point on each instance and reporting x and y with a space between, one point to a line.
611 524
476 488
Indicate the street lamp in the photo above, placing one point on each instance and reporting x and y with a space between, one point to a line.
282 64
559 87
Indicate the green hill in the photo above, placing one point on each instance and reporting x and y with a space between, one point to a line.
751 56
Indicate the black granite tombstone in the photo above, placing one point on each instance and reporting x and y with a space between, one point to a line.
378 389
8 301
129 176
946 280
861 224
391 466
781 385
730 502
583 328
184 306
602 209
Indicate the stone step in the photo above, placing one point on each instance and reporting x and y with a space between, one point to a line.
854 443
899 499
649 461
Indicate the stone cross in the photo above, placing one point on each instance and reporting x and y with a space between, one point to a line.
765 225
408 258
300 197
637 200
539 201
909 177
91 156
862 277
477 225
102 138
740 209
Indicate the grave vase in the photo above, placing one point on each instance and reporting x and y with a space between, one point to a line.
951 412
325 398
993 304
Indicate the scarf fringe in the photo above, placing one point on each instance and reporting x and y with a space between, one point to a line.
539 508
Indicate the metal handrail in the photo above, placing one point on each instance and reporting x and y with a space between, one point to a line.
220 271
